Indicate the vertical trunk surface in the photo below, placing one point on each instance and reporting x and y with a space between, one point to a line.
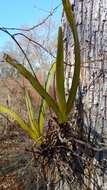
91 19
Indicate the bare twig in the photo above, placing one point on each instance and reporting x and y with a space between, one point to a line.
35 26
33 41
22 50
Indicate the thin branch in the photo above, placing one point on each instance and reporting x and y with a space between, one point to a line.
22 50
36 26
33 41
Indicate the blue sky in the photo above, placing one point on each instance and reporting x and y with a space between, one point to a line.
18 13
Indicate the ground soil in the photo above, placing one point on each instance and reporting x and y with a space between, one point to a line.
13 159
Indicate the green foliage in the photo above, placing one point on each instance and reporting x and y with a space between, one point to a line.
31 115
19 120
35 84
35 128
60 107
60 75
75 80
43 106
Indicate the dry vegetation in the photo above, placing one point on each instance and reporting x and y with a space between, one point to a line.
14 144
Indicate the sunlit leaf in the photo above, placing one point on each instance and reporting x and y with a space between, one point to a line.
31 114
35 83
19 120
44 104
76 75
60 74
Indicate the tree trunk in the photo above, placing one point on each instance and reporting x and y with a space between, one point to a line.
91 19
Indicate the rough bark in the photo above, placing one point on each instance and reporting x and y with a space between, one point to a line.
91 19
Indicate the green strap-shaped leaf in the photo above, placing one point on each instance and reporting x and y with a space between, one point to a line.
43 106
76 75
60 74
31 114
35 83
19 120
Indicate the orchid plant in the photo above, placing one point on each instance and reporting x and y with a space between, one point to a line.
61 107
